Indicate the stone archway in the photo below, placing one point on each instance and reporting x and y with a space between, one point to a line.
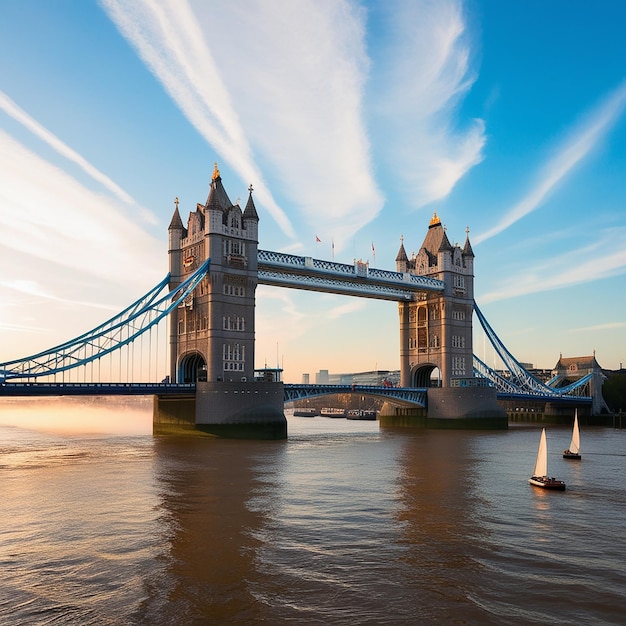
192 368
426 375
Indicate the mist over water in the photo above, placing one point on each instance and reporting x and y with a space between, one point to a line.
341 523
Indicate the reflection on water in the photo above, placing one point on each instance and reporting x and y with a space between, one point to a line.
439 503
204 488
340 523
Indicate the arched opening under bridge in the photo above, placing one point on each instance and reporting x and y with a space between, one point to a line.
192 368
426 375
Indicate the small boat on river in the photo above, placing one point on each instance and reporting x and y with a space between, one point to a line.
361 414
332 412
573 452
303 412
540 476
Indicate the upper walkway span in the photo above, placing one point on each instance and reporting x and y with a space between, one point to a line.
298 272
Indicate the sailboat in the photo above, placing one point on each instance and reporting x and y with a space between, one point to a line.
574 447
540 476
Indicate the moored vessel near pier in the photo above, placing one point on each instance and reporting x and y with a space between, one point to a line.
332 412
361 414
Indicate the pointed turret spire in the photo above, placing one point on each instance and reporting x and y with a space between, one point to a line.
401 252
176 223
467 248
250 210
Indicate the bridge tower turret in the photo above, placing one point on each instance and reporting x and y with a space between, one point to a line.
212 334
436 329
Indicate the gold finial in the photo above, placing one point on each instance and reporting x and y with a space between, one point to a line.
250 188
435 219
176 202
402 240
216 172
467 230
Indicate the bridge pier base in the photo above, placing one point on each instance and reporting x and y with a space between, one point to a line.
450 408
247 410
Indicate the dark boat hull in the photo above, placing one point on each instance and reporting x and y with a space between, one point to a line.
543 482
571 455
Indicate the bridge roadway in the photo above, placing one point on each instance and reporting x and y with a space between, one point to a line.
97 389
292 392
411 396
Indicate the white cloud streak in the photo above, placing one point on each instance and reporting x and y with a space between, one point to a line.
582 142
170 41
599 327
602 259
53 220
19 115
284 84
297 76
423 72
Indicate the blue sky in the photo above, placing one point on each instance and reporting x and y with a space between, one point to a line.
354 121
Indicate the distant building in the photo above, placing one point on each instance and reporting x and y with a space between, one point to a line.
321 378
305 379
373 377
570 369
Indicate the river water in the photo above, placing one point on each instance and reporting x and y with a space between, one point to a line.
342 523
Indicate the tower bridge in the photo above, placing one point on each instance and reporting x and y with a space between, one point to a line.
208 300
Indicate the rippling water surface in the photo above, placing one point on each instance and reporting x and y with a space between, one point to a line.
341 523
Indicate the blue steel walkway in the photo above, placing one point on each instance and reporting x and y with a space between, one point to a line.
292 392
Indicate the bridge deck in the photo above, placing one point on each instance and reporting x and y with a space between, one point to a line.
96 389
293 392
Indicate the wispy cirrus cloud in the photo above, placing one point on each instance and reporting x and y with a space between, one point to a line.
297 74
599 327
423 72
291 90
171 41
582 141
603 258
19 115
53 220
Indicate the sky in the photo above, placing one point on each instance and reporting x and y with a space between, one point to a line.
354 122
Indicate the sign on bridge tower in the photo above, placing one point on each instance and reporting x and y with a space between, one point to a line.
436 329
212 332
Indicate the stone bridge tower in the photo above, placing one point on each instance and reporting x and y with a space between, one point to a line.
212 333
436 330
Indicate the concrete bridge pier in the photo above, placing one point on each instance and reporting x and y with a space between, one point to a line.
247 410
450 407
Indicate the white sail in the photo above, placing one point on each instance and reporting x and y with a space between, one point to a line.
541 464
574 446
